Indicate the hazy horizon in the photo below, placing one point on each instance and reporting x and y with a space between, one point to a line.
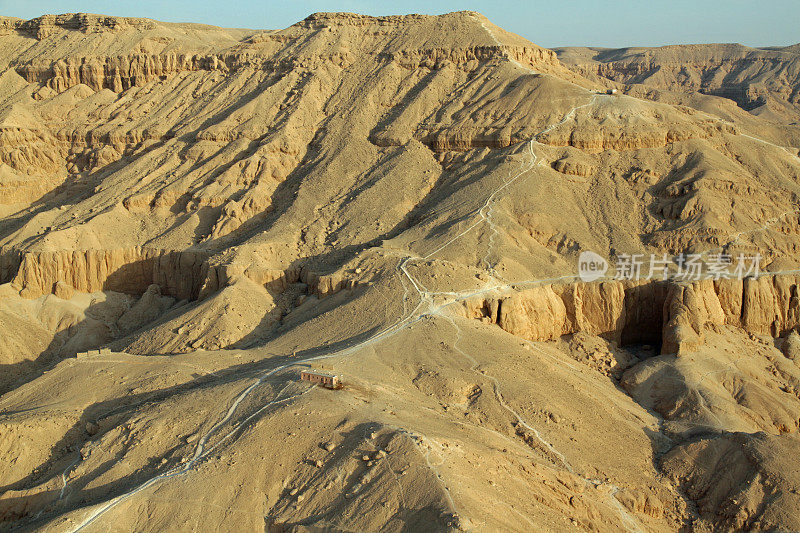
626 23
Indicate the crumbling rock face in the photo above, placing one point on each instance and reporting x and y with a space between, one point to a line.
330 19
42 159
184 275
767 305
63 291
219 276
623 311
118 73
791 346
146 309
126 270
29 151
447 140
322 285
673 314
237 313
572 167
597 138
276 280
42 27
469 58
689 309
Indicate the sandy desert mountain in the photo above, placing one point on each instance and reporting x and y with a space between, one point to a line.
763 81
191 216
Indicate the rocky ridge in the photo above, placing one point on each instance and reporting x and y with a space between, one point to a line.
222 208
762 80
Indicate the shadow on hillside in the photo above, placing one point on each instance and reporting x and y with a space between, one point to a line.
15 375
117 412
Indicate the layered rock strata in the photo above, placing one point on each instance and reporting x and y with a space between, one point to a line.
674 315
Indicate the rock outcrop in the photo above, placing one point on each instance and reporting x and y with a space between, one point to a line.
126 270
674 315
42 27
277 280
184 275
598 138
119 73
146 309
262 200
571 167
791 346
622 311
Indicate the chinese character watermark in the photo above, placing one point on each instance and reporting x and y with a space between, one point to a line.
682 267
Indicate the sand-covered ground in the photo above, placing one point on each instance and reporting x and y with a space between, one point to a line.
190 216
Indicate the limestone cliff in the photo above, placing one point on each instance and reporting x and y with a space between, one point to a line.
218 209
127 270
672 315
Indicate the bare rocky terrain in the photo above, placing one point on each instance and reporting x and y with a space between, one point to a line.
191 215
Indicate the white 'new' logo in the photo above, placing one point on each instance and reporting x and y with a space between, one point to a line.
591 266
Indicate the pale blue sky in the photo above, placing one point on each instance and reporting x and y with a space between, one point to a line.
548 23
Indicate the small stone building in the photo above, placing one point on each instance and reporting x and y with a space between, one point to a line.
326 379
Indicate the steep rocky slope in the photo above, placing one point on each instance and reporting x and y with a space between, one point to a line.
401 200
764 81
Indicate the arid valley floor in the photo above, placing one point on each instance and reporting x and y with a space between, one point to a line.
191 215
